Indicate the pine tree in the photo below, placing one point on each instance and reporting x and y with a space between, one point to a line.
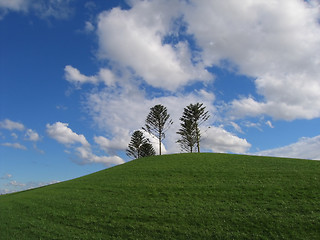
187 134
193 116
139 146
158 122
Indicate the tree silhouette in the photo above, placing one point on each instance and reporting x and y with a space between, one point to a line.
193 116
158 122
139 146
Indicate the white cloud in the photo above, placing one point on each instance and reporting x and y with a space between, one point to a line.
31 135
134 38
119 142
63 134
286 98
155 142
15 145
11 125
74 76
121 112
217 139
253 33
107 77
305 148
104 75
86 156
277 42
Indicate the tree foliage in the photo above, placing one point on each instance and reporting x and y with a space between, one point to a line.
193 116
158 122
139 146
187 134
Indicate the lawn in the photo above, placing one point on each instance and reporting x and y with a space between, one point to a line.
181 196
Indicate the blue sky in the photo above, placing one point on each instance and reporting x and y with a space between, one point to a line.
78 77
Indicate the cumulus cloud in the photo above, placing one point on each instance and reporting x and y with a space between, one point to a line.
74 76
14 145
107 76
86 156
306 148
63 134
29 134
217 139
135 38
32 135
286 98
275 42
11 125
118 143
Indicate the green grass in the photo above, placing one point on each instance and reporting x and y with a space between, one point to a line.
182 196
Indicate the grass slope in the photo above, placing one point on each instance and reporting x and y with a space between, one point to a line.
183 196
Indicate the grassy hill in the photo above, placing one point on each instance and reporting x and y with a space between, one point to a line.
182 196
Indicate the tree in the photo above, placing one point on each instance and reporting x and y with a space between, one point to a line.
193 116
147 150
158 122
139 146
187 134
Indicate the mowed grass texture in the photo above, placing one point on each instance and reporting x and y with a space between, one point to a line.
182 196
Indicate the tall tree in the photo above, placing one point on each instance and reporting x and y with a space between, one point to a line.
187 134
193 116
158 122
139 146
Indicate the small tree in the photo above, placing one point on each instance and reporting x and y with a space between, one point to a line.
193 116
158 122
147 150
139 146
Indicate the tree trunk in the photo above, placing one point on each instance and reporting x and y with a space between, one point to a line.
160 142
198 138
198 143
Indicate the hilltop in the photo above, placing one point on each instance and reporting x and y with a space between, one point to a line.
181 196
